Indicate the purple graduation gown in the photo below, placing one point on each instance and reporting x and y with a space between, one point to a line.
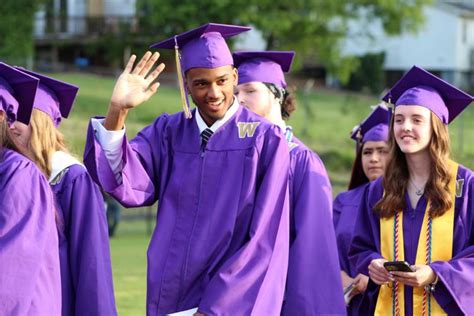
345 208
29 261
221 239
86 272
314 279
455 288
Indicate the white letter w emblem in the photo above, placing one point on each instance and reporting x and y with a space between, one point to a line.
247 129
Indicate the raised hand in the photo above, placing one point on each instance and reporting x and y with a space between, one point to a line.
136 84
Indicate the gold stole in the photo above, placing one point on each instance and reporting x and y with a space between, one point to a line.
441 250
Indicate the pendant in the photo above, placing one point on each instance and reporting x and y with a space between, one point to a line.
419 192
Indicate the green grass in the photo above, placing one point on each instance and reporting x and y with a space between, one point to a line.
128 251
323 121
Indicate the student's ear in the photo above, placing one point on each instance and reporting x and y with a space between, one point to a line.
235 75
185 80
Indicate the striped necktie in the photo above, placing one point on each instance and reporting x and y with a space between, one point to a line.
205 135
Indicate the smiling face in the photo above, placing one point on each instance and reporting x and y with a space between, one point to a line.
212 90
374 158
412 128
21 135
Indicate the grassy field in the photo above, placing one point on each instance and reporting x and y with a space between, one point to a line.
323 121
128 251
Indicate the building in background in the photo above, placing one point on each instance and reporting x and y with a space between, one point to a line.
444 45
64 28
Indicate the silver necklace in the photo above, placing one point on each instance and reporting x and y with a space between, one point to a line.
418 191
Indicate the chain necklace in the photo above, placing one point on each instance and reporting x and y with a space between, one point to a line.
418 191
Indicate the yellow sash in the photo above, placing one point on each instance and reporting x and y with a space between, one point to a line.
441 250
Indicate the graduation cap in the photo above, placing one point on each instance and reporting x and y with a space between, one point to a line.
420 87
374 127
17 93
54 97
203 47
264 66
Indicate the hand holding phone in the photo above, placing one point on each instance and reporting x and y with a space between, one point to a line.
402 266
347 293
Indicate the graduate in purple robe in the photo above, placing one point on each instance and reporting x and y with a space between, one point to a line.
371 146
29 260
433 230
86 272
314 281
220 174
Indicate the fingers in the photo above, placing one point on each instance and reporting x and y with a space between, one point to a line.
379 278
153 75
377 268
129 66
142 63
419 278
151 90
378 274
149 64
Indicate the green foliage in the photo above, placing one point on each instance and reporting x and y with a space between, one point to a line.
16 30
314 28
369 76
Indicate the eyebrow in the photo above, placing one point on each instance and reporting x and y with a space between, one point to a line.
376 148
412 115
202 80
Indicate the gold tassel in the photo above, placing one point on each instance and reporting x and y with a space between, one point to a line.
184 99
390 105
359 139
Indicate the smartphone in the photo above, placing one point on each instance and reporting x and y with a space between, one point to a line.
347 293
402 266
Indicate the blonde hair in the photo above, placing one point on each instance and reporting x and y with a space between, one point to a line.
45 140
396 177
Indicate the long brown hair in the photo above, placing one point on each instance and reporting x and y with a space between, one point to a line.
358 176
45 140
396 177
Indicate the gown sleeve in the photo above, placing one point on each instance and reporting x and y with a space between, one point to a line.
29 259
88 246
314 276
365 245
455 289
137 185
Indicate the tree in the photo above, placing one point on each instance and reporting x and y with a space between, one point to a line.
16 31
314 28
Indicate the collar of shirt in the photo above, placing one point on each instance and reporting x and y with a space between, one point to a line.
283 127
60 161
230 112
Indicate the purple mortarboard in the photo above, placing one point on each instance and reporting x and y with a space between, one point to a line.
374 127
264 66
419 87
17 93
54 97
203 47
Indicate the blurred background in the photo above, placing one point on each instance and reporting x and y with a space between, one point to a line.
348 52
